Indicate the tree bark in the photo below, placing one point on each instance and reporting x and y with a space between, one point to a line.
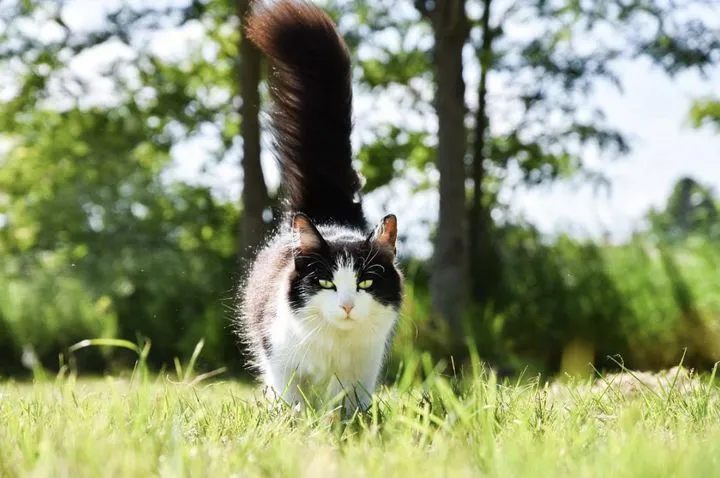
484 265
449 278
254 193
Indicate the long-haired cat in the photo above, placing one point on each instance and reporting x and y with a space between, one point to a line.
321 300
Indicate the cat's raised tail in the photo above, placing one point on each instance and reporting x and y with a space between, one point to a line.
310 87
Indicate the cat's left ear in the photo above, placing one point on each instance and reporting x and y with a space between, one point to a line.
386 232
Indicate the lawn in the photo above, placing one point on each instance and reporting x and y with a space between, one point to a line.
132 427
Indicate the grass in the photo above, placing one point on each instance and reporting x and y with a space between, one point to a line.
155 426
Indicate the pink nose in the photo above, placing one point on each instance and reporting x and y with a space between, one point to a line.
347 308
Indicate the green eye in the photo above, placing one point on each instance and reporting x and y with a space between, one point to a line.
326 284
365 284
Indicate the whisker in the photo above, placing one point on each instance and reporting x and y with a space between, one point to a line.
376 251
305 338
367 256
376 265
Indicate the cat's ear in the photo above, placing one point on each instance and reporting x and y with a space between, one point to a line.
386 232
307 237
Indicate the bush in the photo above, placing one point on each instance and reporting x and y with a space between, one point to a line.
638 303
42 313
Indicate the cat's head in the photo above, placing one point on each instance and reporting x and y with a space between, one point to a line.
343 278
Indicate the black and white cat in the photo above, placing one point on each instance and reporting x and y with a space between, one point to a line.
321 300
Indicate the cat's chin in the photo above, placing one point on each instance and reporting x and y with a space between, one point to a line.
343 323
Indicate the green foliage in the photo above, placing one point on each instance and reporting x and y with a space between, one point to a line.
90 218
380 160
642 303
398 68
164 254
40 315
706 111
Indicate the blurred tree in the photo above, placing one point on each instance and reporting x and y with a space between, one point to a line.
484 259
255 200
691 209
449 271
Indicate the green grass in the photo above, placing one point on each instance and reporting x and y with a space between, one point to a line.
143 427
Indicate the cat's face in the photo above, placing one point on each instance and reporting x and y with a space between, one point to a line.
345 280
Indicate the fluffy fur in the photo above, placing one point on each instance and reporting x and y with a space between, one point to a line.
321 300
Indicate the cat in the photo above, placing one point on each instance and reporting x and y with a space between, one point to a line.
320 303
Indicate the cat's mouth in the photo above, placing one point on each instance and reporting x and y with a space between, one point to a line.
344 322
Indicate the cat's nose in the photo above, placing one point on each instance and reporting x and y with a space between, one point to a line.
347 307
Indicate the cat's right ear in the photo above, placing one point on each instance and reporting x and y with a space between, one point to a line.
386 232
307 237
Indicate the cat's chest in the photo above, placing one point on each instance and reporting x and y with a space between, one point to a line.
329 354
332 354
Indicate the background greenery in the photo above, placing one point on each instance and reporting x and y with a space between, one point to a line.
98 240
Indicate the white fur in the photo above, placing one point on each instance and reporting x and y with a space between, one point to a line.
322 350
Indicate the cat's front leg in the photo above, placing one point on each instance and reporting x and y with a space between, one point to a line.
358 391
362 388
360 398
282 385
344 389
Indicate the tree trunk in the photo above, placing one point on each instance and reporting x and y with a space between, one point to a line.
449 279
483 256
254 194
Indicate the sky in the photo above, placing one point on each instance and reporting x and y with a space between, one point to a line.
652 110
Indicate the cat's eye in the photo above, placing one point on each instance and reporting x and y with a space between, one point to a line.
326 284
365 284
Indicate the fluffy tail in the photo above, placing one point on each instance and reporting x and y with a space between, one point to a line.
311 115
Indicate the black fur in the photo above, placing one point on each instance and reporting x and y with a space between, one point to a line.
312 110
